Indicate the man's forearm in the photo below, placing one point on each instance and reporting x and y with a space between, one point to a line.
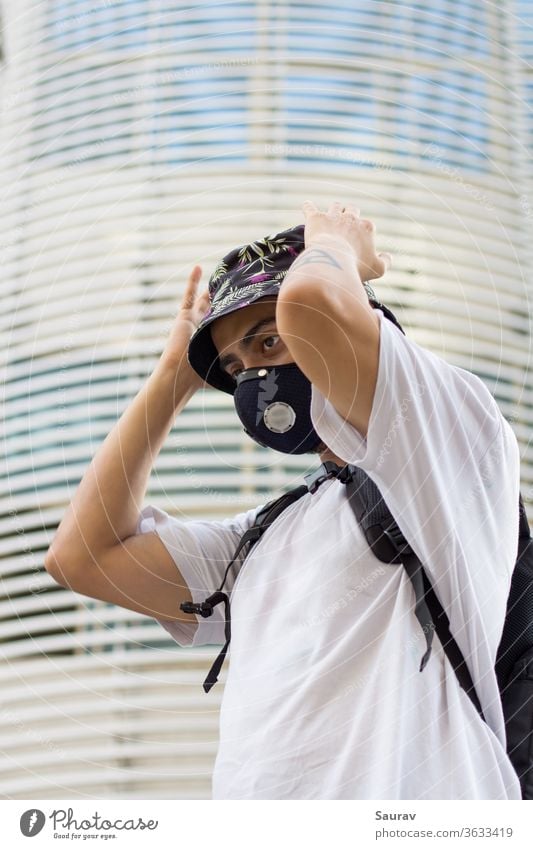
329 264
106 505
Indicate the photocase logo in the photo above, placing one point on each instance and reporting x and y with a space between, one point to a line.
269 389
32 822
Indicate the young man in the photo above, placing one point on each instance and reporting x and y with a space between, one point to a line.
324 698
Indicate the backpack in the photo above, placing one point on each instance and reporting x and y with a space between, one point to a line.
514 659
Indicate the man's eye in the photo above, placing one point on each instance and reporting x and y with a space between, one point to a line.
237 371
270 337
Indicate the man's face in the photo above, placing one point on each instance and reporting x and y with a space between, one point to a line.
248 338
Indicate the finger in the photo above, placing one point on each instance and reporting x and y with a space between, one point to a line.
386 262
353 210
308 206
204 299
335 209
387 259
190 288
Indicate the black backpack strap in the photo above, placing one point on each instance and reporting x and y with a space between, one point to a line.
442 623
452 650
207 610
270 512
523 528
387 541
327 470
264 518
390 546
415 571
517 634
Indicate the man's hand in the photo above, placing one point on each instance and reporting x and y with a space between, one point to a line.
192 310
343 225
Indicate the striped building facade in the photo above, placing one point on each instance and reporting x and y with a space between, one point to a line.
139 138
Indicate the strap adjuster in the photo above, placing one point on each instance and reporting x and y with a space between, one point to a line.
202 609
394 534
329 469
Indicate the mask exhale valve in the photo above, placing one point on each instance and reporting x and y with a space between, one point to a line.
274 405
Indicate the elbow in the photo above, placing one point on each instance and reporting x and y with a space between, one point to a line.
57 566
50 561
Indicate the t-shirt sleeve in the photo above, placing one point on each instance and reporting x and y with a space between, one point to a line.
201 551
447 464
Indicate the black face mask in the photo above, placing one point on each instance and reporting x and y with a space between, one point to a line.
274 405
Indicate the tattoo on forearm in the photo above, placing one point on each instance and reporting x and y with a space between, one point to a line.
314 255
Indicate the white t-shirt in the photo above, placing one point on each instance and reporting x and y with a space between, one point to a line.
324 698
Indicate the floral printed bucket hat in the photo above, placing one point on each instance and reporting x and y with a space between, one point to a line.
246 274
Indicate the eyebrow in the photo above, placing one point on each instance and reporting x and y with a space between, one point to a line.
246 341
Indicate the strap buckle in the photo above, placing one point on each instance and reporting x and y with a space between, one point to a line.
329 469
202 609
346 474
397 539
